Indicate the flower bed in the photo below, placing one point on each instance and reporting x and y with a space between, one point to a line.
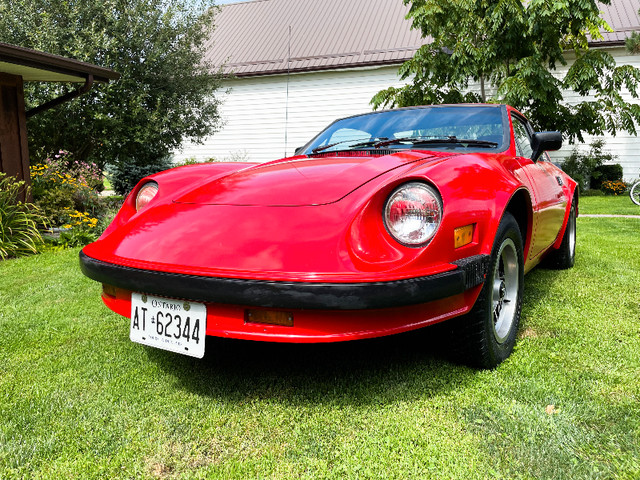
66 190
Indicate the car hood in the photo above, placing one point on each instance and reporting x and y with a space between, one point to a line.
300 181
300 232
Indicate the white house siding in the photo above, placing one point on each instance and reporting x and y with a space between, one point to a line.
254 111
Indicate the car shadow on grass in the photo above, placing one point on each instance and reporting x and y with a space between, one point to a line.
382 370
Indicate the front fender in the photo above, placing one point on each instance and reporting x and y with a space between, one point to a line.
477 189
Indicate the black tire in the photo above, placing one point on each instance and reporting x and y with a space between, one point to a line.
565 256
486 336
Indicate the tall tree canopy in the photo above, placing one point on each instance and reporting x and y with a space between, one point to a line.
512 48
165 94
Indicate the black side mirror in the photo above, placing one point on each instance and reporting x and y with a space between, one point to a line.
544 141
298 150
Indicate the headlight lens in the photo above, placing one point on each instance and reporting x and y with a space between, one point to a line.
413 213
146 194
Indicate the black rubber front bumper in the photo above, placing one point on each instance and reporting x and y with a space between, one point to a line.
469 273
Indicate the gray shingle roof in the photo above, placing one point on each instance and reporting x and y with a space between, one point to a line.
252 38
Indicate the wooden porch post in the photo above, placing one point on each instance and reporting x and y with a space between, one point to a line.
14 150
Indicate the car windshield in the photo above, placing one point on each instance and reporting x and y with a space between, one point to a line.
461 128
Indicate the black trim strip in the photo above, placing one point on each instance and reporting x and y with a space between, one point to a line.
295 295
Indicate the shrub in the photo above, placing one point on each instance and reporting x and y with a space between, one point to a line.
76 238
584 168
606 173
64 163
194 161
65 190
187 161
61 184
124 175
633 42
613 187
19 222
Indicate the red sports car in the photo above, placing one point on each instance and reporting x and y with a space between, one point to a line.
384 222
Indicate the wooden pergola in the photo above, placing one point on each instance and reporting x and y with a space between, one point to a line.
19 65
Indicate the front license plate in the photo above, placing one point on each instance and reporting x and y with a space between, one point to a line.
175 325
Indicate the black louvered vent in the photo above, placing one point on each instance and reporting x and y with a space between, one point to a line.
353 153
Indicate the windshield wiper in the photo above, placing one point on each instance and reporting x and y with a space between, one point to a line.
367 143
370 143
451 139
324 147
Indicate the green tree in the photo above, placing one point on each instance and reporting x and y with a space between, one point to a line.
633 42
165 93
511 49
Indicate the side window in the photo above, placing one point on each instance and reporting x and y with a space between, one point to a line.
522 138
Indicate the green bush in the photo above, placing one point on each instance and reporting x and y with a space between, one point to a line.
125 174
194 161
66 192
62 186
633 42
55 203
19 221
586 168
606 173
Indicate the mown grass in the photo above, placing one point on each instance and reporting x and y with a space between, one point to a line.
79 400
611 205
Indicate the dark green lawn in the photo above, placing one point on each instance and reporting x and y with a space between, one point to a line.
79 400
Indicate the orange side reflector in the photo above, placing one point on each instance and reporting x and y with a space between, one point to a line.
271 317
463 236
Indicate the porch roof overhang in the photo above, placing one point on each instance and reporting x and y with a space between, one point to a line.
33 65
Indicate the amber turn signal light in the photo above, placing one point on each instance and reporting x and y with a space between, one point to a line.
463 236
109 290
271 317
